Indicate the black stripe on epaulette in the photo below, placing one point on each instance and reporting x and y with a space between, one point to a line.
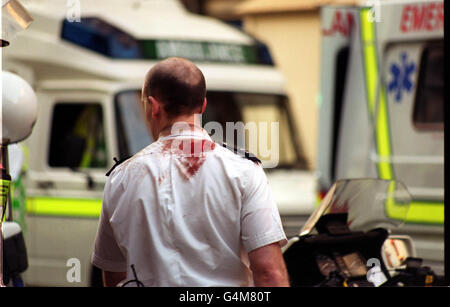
242 152
118 162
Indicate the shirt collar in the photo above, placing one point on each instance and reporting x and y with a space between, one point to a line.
182 131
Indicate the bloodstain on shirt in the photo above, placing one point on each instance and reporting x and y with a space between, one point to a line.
190 154
161 178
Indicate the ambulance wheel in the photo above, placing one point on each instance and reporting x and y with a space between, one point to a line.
96 277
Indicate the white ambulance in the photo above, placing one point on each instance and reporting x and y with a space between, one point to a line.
381 112
87 71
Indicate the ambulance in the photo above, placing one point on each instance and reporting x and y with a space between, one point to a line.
86 60
382 106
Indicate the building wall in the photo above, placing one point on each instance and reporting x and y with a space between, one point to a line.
294 40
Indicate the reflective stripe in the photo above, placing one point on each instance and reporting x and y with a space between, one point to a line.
5 185
382 137
370 63
395 209
378 116
419 211
423 212
79 207
4 188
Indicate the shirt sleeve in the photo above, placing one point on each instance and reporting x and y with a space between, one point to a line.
107 253
260 219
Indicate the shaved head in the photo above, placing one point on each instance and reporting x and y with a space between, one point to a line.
178 84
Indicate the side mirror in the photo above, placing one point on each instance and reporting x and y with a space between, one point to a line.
395 250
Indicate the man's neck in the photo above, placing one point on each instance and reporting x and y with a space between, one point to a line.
183 122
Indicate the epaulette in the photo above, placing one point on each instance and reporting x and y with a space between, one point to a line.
242 152
118 162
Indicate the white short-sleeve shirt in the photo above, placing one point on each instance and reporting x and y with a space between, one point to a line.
185 212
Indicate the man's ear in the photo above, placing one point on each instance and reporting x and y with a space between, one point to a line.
155 106
204 106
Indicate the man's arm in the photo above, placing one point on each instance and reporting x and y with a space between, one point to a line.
268 267
111 279
107 255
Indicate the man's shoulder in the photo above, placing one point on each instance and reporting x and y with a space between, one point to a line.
238 162
239 153
135 161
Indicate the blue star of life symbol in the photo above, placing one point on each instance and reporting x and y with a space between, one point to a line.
401 74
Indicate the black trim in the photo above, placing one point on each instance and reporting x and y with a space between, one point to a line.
118 162
446 150
242 152
339 87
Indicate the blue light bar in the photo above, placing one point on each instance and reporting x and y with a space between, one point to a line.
99 36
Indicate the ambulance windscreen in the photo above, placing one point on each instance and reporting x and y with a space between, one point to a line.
104 38
132 132
259 123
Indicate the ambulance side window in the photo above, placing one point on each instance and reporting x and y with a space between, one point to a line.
77 138
429 105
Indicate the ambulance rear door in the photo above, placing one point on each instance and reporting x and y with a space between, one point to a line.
403 64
